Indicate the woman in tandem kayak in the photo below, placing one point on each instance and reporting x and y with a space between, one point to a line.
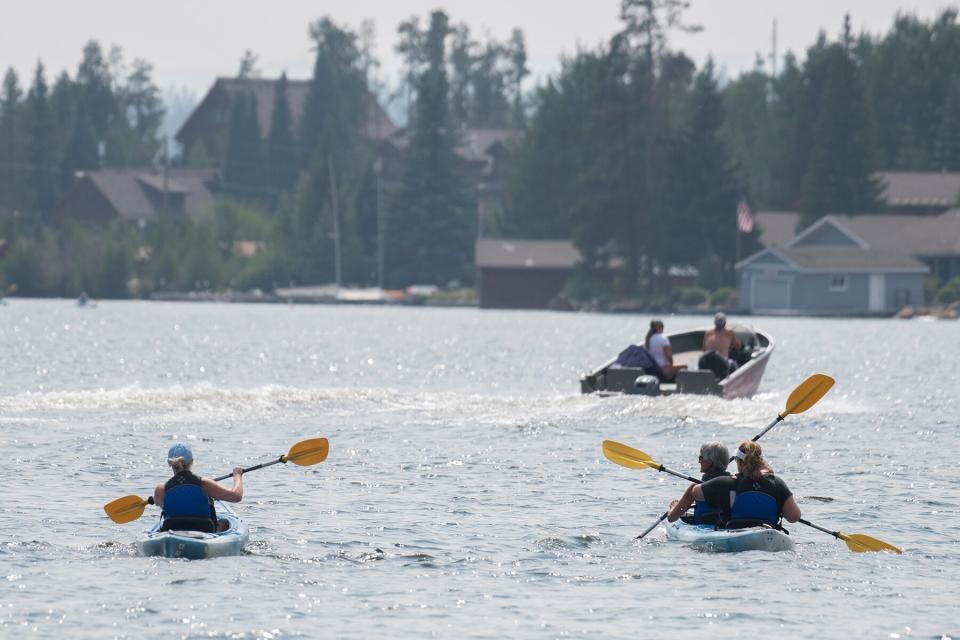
754 497
187 499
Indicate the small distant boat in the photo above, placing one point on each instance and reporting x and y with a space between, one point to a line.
709 538
687 347
196 545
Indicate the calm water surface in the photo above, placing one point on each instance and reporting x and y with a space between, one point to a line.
465 493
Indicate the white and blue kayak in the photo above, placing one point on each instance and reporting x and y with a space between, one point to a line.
196 545
709 538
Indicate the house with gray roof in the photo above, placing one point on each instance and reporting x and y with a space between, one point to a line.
842 265
139 196
916 192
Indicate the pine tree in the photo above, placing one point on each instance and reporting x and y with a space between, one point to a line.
11 141
703 189
243 171
43 175
281 147
839 176
95 89
947 148
82 151
432 225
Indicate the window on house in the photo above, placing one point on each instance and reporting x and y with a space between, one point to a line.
838 283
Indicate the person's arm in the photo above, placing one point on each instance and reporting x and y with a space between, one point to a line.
158 494
791 510
679 507
219 492
668 353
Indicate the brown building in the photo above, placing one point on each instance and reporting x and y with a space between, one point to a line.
522 274
138 195
205 132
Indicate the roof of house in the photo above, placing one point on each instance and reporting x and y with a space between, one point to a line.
918 235
507 253
840 259
377 126
846 259
777 228
916 189
126 190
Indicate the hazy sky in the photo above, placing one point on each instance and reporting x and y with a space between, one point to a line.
191 42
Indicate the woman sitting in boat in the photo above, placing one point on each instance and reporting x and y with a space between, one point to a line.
755 497
714 458
658 345
187 499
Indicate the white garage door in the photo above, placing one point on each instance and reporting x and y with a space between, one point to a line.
771 293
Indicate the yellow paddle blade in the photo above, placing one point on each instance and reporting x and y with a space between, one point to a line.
308 452
125 509
860 543
808 393
627 456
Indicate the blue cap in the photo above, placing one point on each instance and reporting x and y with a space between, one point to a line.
180 450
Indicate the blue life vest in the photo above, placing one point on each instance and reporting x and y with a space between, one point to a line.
752 508
705 513
186 506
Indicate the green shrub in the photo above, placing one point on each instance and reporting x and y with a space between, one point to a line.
950 292
723 297
691 296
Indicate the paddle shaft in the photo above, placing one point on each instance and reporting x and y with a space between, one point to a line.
835 534
254 468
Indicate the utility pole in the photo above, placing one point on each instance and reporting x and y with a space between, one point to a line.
336 221
378 170
773 52
166 174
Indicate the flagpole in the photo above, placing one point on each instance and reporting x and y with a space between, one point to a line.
736 226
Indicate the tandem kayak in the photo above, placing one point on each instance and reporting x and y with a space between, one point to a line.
708 538
196 545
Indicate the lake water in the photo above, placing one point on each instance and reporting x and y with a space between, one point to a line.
465 493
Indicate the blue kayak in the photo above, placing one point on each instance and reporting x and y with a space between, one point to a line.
709 538
196 545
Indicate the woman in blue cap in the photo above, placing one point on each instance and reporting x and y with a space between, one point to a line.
187 499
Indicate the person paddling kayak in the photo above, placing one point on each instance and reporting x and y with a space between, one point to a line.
755 497
714 458
187 499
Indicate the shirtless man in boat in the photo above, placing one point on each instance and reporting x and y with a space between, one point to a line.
719 340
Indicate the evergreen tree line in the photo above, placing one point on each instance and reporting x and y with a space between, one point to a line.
106 115
635 154
330 177
630 151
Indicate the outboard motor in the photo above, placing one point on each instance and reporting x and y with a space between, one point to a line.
647 386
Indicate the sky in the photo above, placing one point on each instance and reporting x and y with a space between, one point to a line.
191 42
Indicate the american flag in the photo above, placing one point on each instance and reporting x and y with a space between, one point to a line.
744 217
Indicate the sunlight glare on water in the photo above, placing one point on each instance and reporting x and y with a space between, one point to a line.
465 493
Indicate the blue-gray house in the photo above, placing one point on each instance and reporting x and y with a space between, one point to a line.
828 269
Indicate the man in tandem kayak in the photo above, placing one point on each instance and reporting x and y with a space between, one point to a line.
187 499
714 458
754 497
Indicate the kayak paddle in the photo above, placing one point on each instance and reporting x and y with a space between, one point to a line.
636 459
803 397
304 454
856 542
